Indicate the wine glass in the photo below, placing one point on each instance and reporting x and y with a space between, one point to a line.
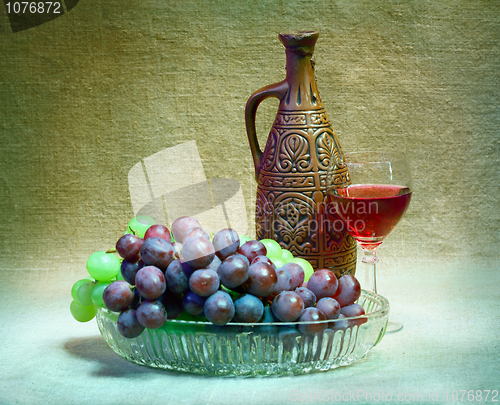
368 193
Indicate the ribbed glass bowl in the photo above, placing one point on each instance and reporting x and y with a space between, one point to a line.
256 349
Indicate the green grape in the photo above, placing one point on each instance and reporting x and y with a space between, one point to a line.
82 313
244 239
78 284
82 293
286 255
97 291
308 269
119 276
139 225
103 266
273 248
279 263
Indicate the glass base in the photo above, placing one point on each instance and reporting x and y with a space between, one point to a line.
393 327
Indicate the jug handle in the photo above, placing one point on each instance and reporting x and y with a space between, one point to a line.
277 90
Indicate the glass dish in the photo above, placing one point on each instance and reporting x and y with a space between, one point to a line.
258 349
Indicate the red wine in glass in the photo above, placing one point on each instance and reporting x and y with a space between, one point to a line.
377 196
369 211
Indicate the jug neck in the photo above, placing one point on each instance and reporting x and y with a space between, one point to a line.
302 90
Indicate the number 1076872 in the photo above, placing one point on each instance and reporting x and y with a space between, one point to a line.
41 7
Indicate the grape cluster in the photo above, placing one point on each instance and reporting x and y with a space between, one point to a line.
160 274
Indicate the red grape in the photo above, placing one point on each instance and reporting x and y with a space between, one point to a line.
354 310
118 296
307 295
263 259
340 323
204 282
312 314
323 283
128 324
176 277
193 304
226 242
248 308
130 269
233 271
329 306
297 273
197 231
215 264
348 290
151 314
129 246
150 282
159 231
262 280
287 306
197 252
177 249
284 281
157 252
252 249
182 225
219 308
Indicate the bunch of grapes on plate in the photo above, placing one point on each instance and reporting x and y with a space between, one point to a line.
184 273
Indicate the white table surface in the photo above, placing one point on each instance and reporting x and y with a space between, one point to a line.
450 342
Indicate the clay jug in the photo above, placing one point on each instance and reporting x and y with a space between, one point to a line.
291 205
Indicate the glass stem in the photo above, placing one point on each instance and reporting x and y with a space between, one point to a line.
370 259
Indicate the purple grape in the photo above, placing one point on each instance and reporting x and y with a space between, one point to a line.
128 324
252 249
195 232
354 310
157 252
193 304
197 252
215 264
348 290
150 282
172 304
233 271
287 306
182 225
177 249
118 296
130 269
297 273
284 281
323 283
176 278
339 324
268 317
262 280
262 259
151 314
329 306
248 308
219 308
226 242
158 231
129 246
204 282
307 295
312 314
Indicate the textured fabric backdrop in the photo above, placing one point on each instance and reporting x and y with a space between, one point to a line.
86 96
